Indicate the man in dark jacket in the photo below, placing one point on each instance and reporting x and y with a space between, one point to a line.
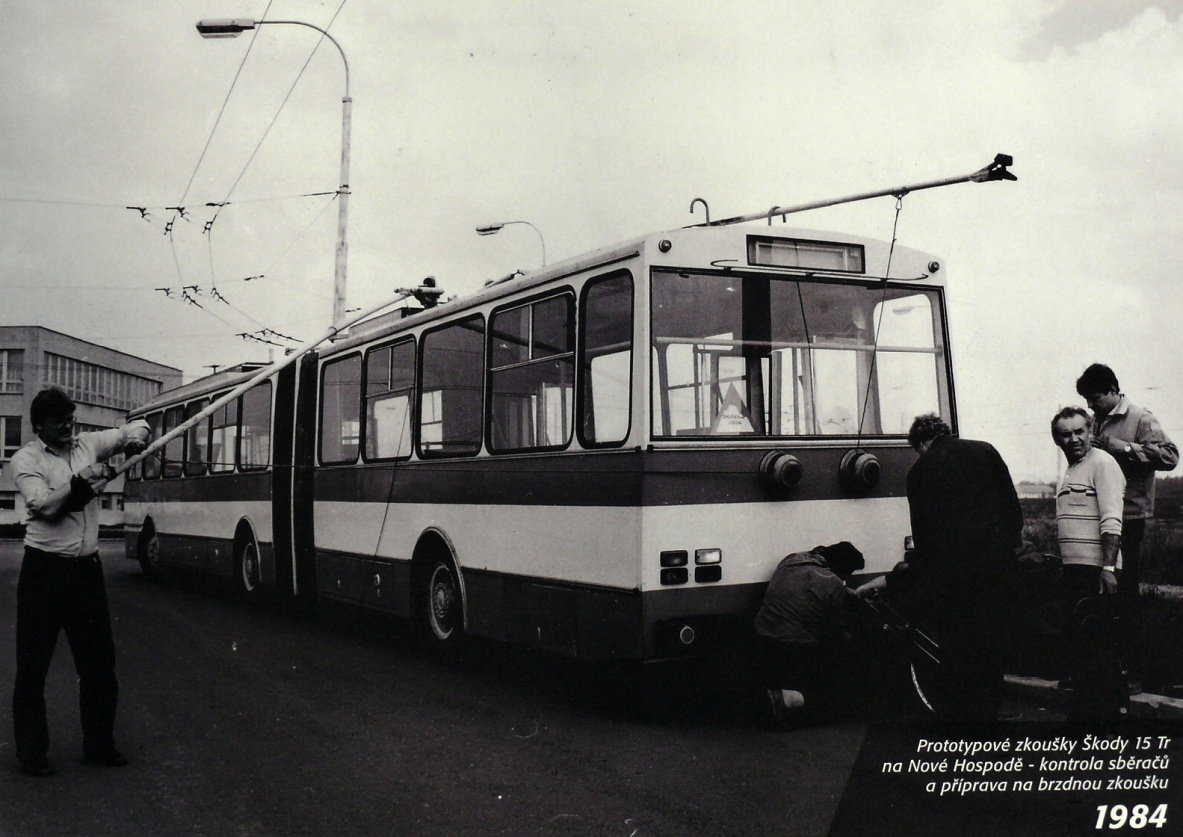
1134 437
966 526
801 628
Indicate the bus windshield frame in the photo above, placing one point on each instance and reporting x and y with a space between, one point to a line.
775 356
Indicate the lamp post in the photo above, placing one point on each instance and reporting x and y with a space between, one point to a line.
231 28
493 229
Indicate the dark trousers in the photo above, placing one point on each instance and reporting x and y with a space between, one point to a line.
1132 532
1099 690
57 593
972 645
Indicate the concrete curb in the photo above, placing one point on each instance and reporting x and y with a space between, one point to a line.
1145 705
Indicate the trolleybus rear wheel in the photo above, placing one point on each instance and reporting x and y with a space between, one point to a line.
246 565
443 611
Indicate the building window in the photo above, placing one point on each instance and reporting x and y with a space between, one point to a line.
10 436
12 366
89 383
7 501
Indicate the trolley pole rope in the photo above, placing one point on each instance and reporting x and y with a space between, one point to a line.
264 374
995 171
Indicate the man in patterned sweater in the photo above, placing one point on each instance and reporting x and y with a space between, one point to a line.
1088 524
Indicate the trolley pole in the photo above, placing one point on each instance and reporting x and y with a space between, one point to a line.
422 292
994 171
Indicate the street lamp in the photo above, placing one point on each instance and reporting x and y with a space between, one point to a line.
493 229
231 28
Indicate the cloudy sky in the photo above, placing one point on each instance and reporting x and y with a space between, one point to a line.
597 122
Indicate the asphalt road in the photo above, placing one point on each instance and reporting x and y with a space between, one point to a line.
243 720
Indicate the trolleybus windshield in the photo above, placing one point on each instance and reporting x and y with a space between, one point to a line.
764 356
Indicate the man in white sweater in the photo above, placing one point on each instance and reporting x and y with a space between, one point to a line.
1088 524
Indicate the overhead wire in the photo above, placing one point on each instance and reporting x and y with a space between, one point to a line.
222 110
264 332
208 231
282 104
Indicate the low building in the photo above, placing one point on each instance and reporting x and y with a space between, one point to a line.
104 383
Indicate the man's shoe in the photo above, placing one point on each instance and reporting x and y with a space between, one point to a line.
40 767
111 758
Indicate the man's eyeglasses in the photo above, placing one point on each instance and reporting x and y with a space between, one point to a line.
59 421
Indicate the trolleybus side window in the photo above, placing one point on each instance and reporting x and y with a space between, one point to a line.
770 356
340 410
223 437
605 361
254 438
174 450
152 461
390 386
532 375
197 446
451 403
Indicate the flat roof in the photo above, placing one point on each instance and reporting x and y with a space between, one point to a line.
90 343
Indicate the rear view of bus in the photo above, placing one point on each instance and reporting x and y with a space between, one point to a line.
785 369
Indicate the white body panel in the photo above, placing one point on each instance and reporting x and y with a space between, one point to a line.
619 546
204 519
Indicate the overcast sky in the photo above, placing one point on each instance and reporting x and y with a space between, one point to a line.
598 122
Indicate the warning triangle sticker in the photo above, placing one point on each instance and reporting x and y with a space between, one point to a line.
733 417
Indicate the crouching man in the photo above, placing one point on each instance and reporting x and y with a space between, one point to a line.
802 632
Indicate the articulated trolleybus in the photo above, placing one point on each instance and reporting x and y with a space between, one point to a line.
605 458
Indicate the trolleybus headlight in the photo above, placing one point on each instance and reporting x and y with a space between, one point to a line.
780 470
859 471
674 558
708 556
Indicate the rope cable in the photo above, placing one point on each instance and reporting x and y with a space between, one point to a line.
899 205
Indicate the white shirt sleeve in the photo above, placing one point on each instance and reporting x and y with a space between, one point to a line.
1110 484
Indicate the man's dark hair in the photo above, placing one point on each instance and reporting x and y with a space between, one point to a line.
50 403
1097 378
927 427
1070 412
843 558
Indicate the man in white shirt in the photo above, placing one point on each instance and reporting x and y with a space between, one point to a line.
1088 524
61 581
